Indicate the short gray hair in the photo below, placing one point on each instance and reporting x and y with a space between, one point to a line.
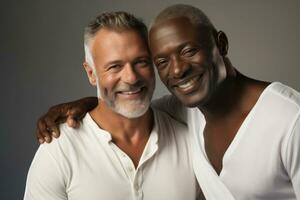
116 21
195 15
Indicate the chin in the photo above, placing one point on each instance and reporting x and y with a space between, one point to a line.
136 113
189 100
195 99
191 103
133 109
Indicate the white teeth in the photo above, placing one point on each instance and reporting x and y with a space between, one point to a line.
132 92
188 84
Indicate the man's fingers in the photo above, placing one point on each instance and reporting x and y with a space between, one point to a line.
73 112
43 131
75 115
39 136
52 127
47 127
72 122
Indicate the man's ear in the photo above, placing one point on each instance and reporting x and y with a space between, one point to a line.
222 43
90 71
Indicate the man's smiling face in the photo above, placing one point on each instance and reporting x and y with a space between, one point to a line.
123 70
187 59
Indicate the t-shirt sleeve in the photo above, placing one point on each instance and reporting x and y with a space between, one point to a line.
172 106
293 156
45 179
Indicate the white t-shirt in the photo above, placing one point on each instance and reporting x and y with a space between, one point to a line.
84 164
263 160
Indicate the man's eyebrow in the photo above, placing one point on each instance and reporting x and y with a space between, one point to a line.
178 49
113 62
157 56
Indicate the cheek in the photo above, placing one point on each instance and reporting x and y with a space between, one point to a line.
108 81
148 74
163 77
163 74
200 58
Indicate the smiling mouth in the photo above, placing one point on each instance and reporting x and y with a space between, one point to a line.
134 93
131 92
190 83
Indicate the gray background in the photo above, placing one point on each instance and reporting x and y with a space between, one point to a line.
41 54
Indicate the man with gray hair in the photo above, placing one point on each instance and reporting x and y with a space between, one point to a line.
123 149
246 132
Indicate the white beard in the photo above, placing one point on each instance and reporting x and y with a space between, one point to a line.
98 90
132 109
129 109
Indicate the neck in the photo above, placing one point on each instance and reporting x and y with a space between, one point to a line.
224 99
236 95
120 127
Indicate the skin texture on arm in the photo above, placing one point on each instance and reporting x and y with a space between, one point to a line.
72 112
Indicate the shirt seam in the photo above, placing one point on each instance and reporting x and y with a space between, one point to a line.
289 138
286 98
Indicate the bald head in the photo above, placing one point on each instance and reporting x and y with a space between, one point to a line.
195 15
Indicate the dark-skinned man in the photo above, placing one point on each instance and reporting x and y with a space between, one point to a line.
246 132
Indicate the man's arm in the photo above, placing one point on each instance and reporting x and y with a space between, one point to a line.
45 180
72 112
293 157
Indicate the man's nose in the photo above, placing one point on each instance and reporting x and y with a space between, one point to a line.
178 67
129 74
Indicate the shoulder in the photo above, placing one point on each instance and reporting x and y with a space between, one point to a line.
166 100
280 104
286 94
168 125
70 140
165 118
285 104
172 106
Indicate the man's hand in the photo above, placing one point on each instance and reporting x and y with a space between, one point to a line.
72 112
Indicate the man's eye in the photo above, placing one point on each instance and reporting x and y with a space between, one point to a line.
142 63
189 52
161 63
115 67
